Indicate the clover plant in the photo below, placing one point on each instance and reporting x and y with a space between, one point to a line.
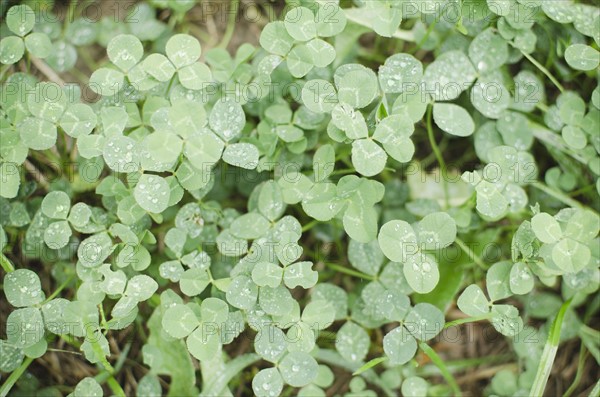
307 203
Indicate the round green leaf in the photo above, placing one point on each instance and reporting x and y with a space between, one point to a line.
270 343
94 250
79 119
546 228
399 345
491 98
203 344
368 158
331 19
106 82
453 119
570 256
318 314
120 154
149 386
88 387
12 49
23 288
37 134
38 44
357 88
421 272
583 226
366 257
488 51
300 61
152 193
179 321
203 150
193 282
159 67
63 56
521 279
497 281
319 96
275 38
56 205
300 23
242 293
414 386
582 57
473 302
141 287
436 231
270 201
266 273
227 119
57 234
11 356
574 137
352 342
125 51
397 240
183 50
267 383
164 145
243 155
298 369
449 75
424 321
20 19
195 76
323 53
350 121
25 327
400 72
300 274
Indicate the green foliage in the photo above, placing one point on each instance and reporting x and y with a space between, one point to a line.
327 196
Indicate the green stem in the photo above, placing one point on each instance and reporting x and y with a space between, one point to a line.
442 366
14 377
233 5
6 264
436 150
467 320
560 196
425 37
310 225
60 288
350 272
474 257
543 70
70 15
579 373
549 353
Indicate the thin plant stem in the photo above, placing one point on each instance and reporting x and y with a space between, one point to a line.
14 377
467 320
233 8
436 150
60 288
474 257
560 196
543 70
6 264
350 272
